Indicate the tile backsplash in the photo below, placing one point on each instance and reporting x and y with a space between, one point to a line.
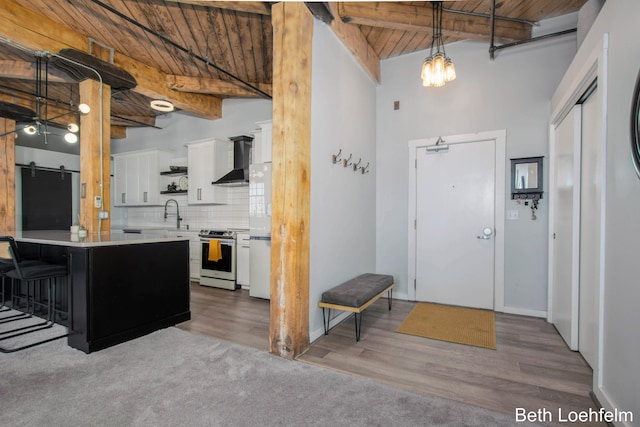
235 214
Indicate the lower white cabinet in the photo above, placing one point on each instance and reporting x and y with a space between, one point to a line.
242 263
195 251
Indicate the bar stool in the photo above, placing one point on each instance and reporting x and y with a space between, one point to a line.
5 267
30 274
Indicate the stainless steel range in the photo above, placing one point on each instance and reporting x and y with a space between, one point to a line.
218 262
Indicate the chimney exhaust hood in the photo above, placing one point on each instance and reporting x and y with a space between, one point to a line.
241 155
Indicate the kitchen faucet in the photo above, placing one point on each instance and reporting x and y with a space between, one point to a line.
178 219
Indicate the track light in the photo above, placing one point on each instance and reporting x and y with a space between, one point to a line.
30 130
73 128
84 108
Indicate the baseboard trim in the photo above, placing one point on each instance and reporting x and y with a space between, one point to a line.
600 398
524 312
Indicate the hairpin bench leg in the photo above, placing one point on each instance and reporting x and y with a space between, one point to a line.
358 320
325 321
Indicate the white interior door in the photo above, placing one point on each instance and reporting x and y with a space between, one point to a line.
455 224
590 207
565 212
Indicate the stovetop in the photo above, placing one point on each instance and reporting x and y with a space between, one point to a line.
215 234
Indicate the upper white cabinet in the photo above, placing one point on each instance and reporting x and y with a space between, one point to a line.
208 160
136 177
262 142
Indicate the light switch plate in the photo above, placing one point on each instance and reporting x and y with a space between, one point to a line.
512 214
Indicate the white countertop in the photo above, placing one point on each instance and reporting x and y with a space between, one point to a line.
65 238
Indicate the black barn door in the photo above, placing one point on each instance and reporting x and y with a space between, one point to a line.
46 200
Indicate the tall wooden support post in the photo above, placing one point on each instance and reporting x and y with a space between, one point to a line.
95 150
292 37
7 176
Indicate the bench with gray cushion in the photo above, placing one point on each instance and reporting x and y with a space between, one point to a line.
356 295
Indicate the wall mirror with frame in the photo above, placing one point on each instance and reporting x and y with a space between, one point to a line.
635 126
526 178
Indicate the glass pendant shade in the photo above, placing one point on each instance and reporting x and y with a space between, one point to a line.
30 130
84 109
426 71
71 138
450 70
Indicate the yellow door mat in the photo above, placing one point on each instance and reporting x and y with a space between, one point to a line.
461 325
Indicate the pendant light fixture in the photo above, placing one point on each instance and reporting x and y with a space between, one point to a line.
437 68
41 120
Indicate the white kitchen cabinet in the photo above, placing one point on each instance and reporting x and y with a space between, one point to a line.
208 160
195 251
262 143
136 177
242 257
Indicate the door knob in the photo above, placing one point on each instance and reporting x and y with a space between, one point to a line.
486 234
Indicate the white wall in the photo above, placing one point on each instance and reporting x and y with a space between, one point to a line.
239 117
617 379
513 93
342 201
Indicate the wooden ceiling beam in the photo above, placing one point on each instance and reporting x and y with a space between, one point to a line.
38 32
215 87
356 42
23 70
406 17
256 7
131 120
118 132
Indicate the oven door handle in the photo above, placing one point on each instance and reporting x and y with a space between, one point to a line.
222 242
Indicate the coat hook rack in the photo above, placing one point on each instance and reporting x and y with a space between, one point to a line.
364 169
335 158
355 165
346 162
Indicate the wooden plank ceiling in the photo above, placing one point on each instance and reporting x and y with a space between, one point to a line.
224 49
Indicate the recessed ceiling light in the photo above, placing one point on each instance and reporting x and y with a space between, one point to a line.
72 127
162 105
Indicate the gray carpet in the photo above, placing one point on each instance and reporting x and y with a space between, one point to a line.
14 325
176 378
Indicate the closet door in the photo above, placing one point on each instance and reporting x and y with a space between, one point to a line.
590 208
566 227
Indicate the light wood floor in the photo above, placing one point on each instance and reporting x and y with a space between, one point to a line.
532 367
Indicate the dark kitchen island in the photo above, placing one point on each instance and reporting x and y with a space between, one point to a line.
121 286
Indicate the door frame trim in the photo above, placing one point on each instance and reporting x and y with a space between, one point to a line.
500 138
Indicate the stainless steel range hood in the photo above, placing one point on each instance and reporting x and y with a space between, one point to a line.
241 156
